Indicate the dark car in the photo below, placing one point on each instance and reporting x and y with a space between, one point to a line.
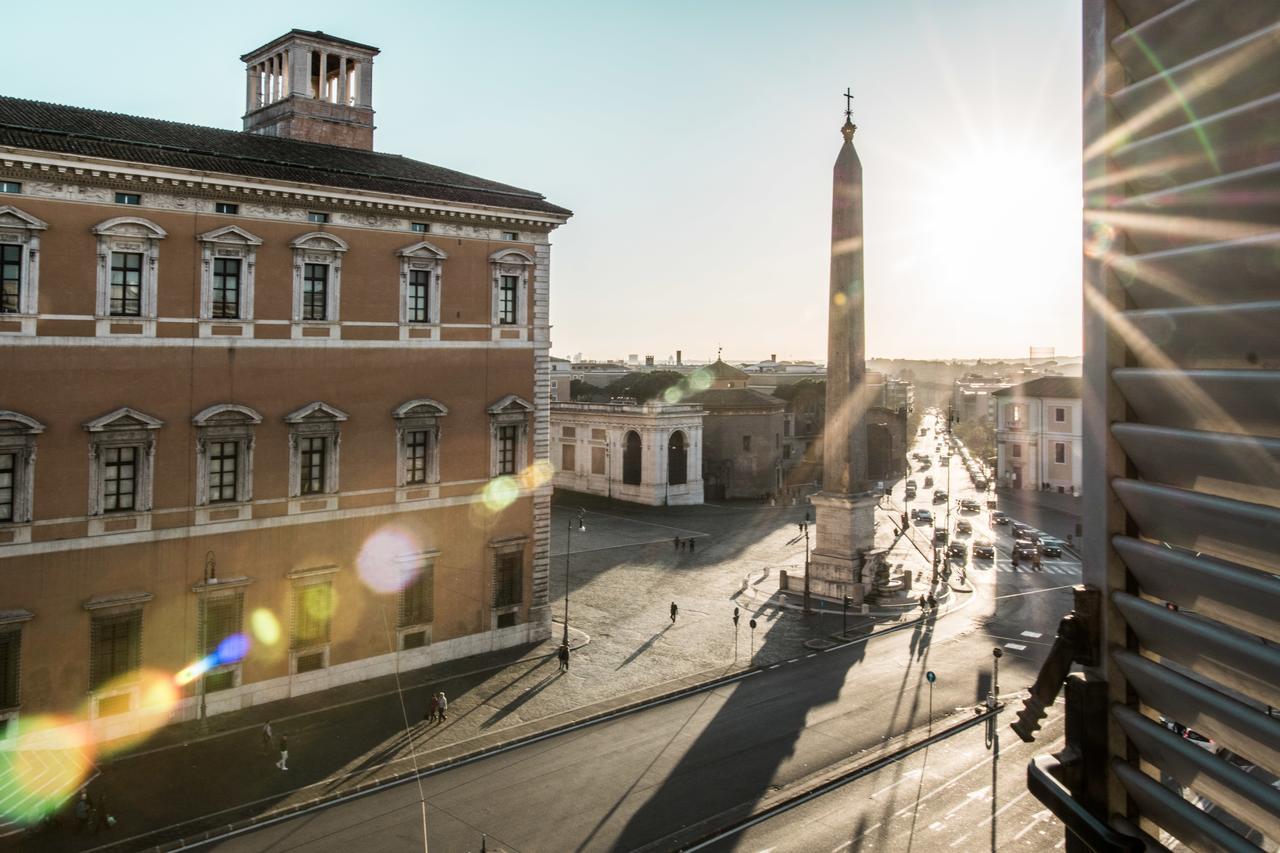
1024 552
940 535
924 516
980 484
1021 530
957 551
939 496
998 517
1050 547
963 527
970 505
984 550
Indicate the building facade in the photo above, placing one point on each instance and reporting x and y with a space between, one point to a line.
971 398
1038 435
649 454
742 436
261 388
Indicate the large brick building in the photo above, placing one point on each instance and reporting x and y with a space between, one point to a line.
264 383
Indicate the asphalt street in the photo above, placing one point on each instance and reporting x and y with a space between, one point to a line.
639 781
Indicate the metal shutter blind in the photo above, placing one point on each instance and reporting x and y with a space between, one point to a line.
1182 385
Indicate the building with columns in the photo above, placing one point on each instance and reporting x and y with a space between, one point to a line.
262 384
647 453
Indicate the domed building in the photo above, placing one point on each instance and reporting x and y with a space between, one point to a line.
741 436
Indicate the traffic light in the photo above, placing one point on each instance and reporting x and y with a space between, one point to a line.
735 617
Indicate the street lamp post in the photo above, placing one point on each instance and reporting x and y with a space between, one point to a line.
804 528
568 547
210 574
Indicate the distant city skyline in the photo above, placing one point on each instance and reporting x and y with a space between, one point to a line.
695 145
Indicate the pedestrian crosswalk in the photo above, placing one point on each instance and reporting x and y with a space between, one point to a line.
1045 568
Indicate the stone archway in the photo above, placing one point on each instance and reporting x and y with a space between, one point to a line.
677 459
632 458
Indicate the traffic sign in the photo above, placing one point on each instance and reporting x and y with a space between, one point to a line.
930 677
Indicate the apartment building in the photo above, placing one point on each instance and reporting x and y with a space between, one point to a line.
1038 432
265 385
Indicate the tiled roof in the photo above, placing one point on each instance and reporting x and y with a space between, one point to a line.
1065 387
115 136
720 370
734 398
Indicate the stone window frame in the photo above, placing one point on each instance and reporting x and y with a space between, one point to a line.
226 422
1060 445
230 241
138 236
511 410
11 623
301 579
17 227
1059 410
515 262
124 427
412 567
499 548
429 258
126 684
318 247
205 591
317 419
18 436
420 415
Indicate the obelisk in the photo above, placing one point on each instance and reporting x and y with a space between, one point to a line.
845 508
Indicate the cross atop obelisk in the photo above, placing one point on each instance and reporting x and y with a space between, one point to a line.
848 104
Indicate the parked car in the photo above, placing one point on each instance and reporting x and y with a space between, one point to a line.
998 517
940 535
970 505
958 551
939 496
984 550
915 513
963 527
911 484
928 482
910 493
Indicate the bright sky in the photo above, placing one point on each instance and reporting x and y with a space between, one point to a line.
694 141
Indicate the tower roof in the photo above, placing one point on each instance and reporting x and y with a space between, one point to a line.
720 370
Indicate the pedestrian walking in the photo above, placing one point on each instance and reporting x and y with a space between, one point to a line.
564 657
933 603
433 709
283 763
924 605
106 820
266 738
674 611
675 543
81 812
444 705
691 543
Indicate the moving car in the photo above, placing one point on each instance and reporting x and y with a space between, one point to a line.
984 550
911 484
957 551
939 496
963 527
940 535
928 482
1023 552
924 515
1050 547
980 484
970 505
998 517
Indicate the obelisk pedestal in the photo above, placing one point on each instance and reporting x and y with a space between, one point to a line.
845 532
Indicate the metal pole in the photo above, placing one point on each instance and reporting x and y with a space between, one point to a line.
568 546
805 527
210 569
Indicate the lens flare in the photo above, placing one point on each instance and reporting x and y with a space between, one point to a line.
155 698
1099 240
49 758
320 601
700 379
499 493
537 474
265 626
381 561
673 394
232 649
191 672
839 299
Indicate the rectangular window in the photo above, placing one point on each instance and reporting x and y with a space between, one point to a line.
597 435
786 451
315 216
1060 415
126 284
1015 415
506 584
786 428
420 227
569 432
222 618
226 207
507 299
1059 452
311 465
226 288
10 278
510 235
8 473
315 292
507 449
415 456
1017 450
419 286
128 198
10 187
10 663
568 458
119 478
597 460
746 442
417 604
312 608
223 461
115 645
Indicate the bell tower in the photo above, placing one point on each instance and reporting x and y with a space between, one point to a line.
311 86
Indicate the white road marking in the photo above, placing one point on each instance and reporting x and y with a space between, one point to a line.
775 666
936 825
1017 647
905 777
1035 635
814 655
1035 819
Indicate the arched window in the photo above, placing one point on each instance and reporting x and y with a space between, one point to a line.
677 460
631 459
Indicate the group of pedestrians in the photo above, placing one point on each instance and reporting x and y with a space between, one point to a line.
437 709
91 814
683 544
